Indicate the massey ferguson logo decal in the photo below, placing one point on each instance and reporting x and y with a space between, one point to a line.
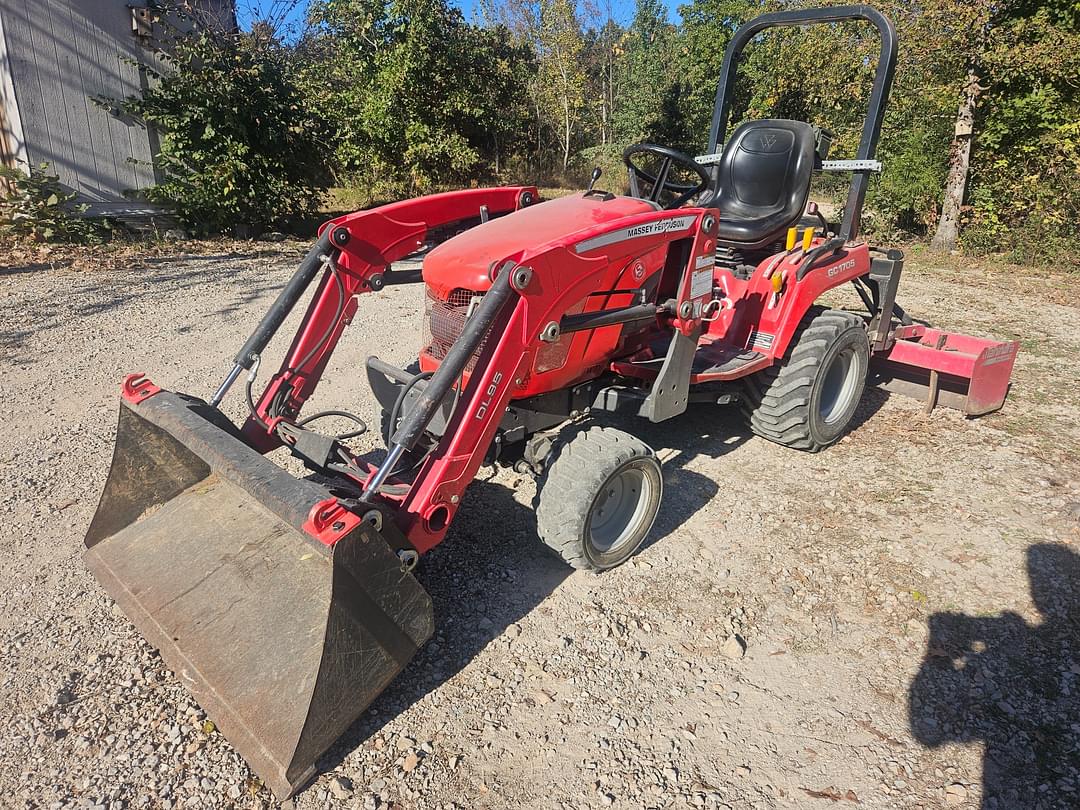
489 394
650 228
840 268
767 140
674 224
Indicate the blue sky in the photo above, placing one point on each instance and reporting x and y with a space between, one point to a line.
291 12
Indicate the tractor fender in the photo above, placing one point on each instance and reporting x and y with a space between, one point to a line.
782 312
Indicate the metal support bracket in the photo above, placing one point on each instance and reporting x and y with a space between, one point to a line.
671 388
850 166
883 280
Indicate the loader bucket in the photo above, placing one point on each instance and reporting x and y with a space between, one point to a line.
209 549
958 371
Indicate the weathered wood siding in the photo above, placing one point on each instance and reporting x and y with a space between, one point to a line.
59 55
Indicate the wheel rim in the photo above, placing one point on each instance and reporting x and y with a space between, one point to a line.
621 509
840 384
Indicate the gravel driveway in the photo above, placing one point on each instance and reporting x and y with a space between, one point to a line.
908 598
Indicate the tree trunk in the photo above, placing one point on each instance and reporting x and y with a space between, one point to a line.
948 227
603 112
566 134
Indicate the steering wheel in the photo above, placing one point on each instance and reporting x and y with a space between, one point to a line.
660 182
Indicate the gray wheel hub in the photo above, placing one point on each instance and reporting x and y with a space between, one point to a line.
839 386
621 508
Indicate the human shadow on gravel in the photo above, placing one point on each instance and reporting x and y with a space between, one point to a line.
1012 686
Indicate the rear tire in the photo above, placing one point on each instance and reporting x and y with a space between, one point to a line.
807 401
598 498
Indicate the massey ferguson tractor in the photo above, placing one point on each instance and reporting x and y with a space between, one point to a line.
286 605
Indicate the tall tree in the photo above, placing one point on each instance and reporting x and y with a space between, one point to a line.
604 50
947 233
561 77
964 30
647 75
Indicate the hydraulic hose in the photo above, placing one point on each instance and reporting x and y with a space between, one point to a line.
452 366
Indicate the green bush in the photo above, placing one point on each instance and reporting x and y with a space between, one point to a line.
420 98
37 207
238 145
1025 203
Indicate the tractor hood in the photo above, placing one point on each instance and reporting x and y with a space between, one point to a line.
463 262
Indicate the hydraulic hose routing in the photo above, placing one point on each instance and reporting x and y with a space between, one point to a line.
449 371
323 248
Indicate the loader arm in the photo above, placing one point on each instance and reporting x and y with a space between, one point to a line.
559 275
360 251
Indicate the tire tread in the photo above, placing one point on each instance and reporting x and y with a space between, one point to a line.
777 402
583 461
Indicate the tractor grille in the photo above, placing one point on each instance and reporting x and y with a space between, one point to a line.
444 322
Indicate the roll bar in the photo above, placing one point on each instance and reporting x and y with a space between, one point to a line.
879 95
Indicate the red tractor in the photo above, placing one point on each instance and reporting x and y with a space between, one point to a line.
286 605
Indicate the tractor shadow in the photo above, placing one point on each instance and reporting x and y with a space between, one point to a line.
488 574
703 430
493 570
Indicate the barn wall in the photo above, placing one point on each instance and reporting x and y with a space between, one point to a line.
60 54
12 142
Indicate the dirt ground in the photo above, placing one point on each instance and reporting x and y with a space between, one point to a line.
908 598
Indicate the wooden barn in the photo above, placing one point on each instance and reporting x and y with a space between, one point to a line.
56 56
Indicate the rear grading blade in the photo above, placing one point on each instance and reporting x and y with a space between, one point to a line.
958 371
282 639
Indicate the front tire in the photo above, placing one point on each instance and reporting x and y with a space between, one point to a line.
598 498
808 400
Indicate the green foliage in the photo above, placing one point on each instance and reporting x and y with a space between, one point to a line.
1027 204
239 147
420 98
707 27
1025 183
398 97
647 78
37 207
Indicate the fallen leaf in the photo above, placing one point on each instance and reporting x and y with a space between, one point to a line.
881 735
832 794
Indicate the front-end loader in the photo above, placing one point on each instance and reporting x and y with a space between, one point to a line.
285 604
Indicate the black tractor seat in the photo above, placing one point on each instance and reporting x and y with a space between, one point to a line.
762 181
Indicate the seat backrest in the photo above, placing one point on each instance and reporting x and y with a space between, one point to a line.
763 178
